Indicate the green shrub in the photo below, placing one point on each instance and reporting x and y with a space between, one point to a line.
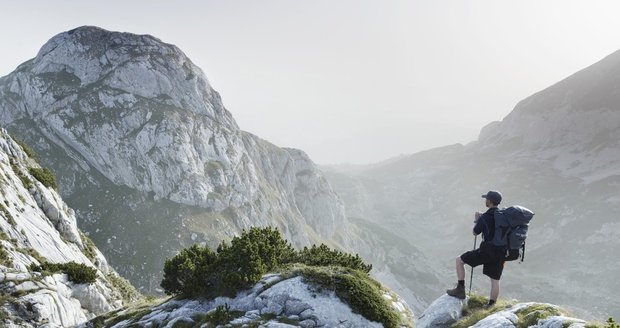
198 271
323 255
44 175
248 257
611 323
184 272
29 151
78 273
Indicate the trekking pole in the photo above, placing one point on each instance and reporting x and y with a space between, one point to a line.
471 278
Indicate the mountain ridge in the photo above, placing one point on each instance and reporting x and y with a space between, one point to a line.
131 122
557 152
38 229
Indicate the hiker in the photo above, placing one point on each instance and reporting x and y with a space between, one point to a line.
490 256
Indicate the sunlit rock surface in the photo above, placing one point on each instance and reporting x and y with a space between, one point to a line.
273 302
36 225
150 159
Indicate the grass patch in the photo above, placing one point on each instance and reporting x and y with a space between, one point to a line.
5 299
29 151
134 313
24 179
356 288
530 315
474 311
5 259
213 168
7 215
89 247
610 323
32 252
4 315
222 315
128 292
44 175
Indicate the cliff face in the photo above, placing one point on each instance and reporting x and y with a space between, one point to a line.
36 226
150 159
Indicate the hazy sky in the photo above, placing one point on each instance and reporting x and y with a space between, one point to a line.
351 81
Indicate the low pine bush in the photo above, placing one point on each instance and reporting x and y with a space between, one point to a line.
78 273
199 271
44 175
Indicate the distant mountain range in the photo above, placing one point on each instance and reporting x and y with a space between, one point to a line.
557 152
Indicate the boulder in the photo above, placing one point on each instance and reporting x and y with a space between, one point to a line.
443 312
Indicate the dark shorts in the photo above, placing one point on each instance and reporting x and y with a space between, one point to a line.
487 256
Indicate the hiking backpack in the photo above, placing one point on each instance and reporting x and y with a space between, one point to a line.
511 224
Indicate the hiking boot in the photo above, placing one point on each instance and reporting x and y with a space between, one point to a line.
458 292
489 306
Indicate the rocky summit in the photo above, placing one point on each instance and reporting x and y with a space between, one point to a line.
150 159
276 301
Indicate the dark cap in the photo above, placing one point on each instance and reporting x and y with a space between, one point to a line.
494 196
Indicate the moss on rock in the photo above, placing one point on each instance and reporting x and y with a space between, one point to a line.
356 288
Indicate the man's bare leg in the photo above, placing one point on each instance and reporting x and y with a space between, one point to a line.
460 269
494 289
459 290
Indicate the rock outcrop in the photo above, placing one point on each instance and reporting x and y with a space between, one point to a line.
443 312
149 157
275 301
36 226
446 311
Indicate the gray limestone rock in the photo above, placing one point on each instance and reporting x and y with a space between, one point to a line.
39 226
442 313
136 133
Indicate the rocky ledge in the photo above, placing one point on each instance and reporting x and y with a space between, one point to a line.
450 312
276 301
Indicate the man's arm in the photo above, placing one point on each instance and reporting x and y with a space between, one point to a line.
479 224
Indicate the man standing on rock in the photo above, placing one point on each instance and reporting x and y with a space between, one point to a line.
488 255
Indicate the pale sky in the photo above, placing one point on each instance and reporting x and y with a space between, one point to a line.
354 81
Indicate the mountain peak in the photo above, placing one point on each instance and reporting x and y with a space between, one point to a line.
95 40
115 69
